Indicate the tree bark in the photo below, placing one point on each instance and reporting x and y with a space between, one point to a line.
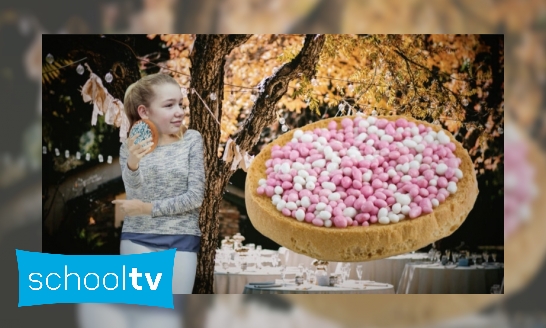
208 59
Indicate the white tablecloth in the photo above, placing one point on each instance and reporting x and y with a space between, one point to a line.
233 282
437 279
349 287
388 270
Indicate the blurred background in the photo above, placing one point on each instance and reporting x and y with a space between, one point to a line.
21 28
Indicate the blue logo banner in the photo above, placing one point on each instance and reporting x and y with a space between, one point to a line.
142 279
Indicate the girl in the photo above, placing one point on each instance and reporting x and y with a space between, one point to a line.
165 188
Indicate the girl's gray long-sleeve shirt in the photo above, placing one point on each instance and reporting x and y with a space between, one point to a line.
172 178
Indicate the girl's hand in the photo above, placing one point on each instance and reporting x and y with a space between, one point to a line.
134 207
137 151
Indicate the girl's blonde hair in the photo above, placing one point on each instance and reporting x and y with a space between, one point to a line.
141 93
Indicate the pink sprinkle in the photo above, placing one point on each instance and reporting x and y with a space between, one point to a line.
415 212
286 212
318 222
261 190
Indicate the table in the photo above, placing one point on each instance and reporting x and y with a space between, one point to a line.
233 281
437 279
388 270
349 287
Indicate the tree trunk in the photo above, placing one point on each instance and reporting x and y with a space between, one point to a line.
207 72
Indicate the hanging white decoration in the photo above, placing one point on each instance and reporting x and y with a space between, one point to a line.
78 155
109 160
66 153
101 159
87 157
44 150
108 77
57 152
80 70
50 59
212 96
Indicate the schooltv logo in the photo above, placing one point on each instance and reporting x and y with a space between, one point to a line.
142 279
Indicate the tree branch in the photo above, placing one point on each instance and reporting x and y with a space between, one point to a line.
274 87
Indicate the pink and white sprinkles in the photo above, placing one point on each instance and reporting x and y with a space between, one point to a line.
519 182
372 170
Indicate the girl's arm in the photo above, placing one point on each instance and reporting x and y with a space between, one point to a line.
132 179
193 198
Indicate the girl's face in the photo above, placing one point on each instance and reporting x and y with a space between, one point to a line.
165 109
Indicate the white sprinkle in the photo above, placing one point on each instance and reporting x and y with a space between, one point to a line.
325 215
336 159
300 215
418 138
429 139
435 202
307 138
382 212
294 140
262 182
414 131
401 217
366 177
371 120
414 164
305 202
405 167
405 209
370 142
362 136
278 190
298 179
310 185
396 208
452 187
312 179
298 186
443 138
291 206
381 133
418 158
391 173
322 140
393 217
433 182
329 185
392 187
285 168
372 129
406 178
319 163
335 196
302 173
350 212
363 124
441 169
321 206
324 173
276 168
332 167
404 200
280 205
328 223
419 148
298 134
458 174
297 166
384 220
409 143
307 166
387 138
298 203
